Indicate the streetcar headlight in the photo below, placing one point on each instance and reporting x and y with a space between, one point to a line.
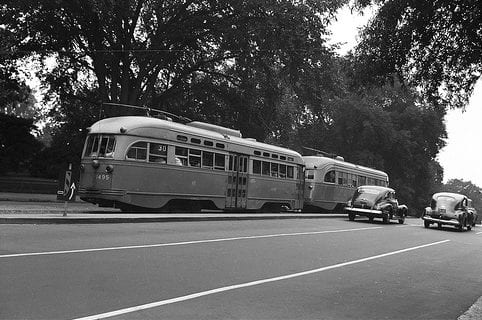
109 168
95 164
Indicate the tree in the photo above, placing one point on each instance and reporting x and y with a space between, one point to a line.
15 96
432 45
133 49
387 129
18 146
68 130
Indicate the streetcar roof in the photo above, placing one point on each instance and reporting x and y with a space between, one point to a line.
147 127
318 162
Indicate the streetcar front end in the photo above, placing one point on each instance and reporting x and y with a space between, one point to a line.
97 171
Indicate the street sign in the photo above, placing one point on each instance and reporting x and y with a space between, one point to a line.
67 192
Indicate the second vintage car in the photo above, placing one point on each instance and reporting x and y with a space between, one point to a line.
451 209
376 202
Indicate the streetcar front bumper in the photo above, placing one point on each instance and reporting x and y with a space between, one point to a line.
104 198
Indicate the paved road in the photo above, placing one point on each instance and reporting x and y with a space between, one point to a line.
273 269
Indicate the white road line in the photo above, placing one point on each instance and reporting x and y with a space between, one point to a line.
479 232
182 243
248 284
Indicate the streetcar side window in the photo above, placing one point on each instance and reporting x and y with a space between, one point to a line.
219 162
256 166
362 180
274 169
138 151
330 176
181 155
282 171
345 178
194 158
157 152
290 172
354 180
265 168
208 159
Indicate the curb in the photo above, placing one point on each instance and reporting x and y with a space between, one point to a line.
174 218
474 312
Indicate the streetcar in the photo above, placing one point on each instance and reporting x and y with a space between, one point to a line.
143 163
330 182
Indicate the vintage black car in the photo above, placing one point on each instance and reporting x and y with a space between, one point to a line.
452 209
376 202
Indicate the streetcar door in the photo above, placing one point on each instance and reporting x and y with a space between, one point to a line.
237 187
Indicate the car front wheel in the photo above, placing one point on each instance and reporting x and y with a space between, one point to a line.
426 223
351 216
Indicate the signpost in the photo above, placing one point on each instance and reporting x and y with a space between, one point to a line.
69 189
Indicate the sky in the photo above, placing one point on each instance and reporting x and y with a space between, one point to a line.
461 158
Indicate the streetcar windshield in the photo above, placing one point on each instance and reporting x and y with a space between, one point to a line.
100 146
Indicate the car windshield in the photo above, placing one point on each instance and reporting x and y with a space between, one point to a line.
367 194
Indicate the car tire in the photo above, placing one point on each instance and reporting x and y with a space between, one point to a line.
386 219
462 224
426 223
439 225
351 216
401 220
469 228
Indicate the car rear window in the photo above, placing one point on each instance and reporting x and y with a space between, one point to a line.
447 202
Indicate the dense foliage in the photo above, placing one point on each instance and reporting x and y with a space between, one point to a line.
18 146
263 67
433 45
384 128
177 55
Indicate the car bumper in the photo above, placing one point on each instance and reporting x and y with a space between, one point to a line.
441 221
368 212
